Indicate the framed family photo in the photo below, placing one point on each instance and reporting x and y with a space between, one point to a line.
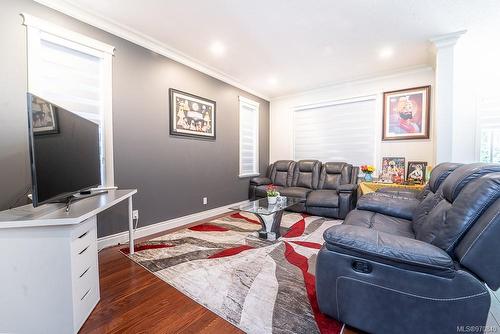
44 117
191 115
406 114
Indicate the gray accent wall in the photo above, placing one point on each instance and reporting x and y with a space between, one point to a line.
172 174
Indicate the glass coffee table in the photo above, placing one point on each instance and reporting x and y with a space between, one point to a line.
268 214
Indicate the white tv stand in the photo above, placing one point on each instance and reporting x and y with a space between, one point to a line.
49 279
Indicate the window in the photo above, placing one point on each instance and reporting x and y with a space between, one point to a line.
336 131
249 137
488 129
73 71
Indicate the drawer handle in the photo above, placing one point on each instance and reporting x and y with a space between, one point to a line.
84 272
86 293
84 250
83 235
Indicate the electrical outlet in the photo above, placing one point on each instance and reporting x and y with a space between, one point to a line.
135 214
205 201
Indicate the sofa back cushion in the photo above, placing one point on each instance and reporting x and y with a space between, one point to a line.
454 208
479 248
306 174
282 172
333 174
440 173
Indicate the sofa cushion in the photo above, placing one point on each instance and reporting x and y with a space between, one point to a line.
440 173
306 174
323 198
333 174
296 192
400 207
380 222
261 191
282 172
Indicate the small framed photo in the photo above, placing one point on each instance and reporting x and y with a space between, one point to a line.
416 172
44 117
191 115
393 170
406 114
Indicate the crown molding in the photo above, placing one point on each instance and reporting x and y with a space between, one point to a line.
446 40
77 12
360 80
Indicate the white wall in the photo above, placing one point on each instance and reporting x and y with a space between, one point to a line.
476 83
281 115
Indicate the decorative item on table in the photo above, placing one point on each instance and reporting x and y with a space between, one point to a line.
416 172
393 170
272 194
368 171
406 114
191 115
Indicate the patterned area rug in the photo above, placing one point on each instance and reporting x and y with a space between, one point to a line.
258 285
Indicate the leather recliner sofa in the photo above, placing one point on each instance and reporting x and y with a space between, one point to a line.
385 274
328 189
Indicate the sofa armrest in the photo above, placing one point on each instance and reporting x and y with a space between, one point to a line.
390 249
400 207
347 188
259 181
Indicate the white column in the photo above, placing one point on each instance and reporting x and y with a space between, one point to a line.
444 95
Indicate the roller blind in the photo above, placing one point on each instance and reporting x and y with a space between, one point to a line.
74 72
249 137
488 125
340 131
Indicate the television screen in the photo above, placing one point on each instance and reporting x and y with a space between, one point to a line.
64 151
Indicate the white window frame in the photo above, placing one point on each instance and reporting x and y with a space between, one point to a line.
38 30
255 105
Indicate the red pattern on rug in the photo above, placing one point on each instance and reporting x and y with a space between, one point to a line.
296 230
238 215
308 244
230 251
208 228
325 324
139 248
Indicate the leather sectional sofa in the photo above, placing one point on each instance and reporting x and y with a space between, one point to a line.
327 189
383 271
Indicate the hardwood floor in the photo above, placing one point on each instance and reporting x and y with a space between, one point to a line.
135 301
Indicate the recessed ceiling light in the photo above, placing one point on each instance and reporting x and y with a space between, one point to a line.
386 53
272 81
218 48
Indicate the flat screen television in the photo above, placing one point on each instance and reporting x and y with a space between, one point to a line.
64 152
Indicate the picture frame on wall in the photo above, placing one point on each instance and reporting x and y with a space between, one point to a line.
406 114
416 172
191 115
44 118
393 170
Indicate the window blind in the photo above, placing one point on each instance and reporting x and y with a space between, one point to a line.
336 132
488 125
249 138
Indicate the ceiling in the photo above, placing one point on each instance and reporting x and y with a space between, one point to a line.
281 47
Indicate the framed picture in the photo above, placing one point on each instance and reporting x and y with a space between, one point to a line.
416 172
406 114
191 115
393 170
44 117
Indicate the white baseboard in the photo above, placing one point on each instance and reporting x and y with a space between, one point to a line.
122 237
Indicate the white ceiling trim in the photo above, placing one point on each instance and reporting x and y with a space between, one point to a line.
143 40
360 80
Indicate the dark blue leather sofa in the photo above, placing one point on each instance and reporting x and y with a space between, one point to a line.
383 273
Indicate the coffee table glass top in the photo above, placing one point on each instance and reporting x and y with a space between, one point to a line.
262 207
